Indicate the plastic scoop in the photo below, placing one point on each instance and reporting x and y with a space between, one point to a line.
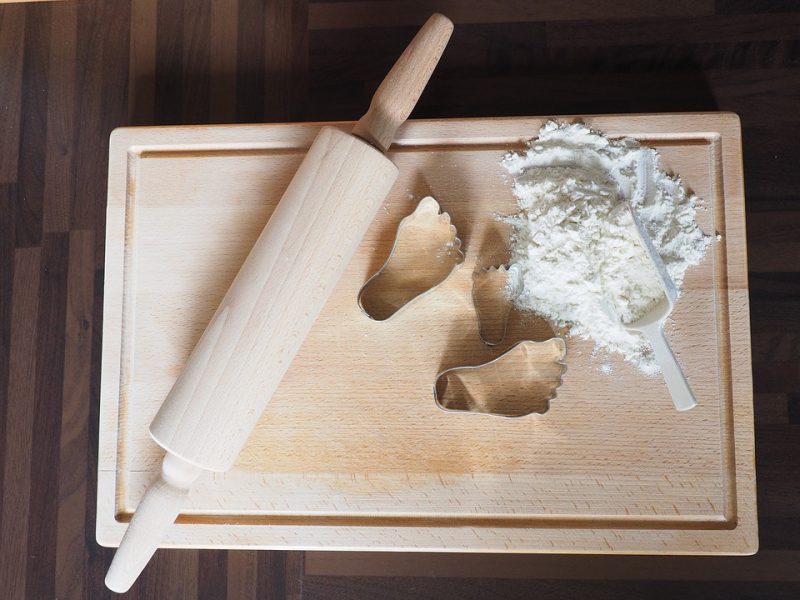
651 324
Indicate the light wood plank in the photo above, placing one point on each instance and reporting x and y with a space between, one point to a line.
330 435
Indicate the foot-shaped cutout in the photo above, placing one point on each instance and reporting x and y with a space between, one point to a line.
425 252
520 382
493 291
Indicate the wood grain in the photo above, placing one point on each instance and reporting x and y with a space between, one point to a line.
741 55
398 588
12 35
222 40
330 440
285 59
243 574
59 179
250 94
212 575
19 424
71 544
142 56
8 197
358 14
764 566
33 128
47 406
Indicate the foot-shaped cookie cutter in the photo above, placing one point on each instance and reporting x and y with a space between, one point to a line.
519 382
426 251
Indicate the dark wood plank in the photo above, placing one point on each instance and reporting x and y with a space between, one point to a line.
295 575
170 574
767 565
359 59
250 74
775 324
195 76
793 409
142 61
18 421
223 48
169 61
271 575
286 59
401 588
280 575
12 35
771 409
697 30
8 198
89 162
58 179
71 550
242 575
33 128
779 533
349 15
755 6
772 241
48 392
212 581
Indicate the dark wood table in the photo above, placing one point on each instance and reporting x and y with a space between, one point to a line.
71 71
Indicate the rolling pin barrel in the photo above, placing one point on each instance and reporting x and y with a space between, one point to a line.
271 305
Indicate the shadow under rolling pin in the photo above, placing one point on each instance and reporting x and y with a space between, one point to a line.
274 300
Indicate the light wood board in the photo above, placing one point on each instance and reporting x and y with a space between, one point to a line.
352 452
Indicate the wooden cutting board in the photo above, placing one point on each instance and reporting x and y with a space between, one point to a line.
352 451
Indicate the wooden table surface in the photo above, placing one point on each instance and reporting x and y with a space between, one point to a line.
71 71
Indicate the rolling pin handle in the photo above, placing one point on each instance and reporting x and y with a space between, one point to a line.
157 510
398 93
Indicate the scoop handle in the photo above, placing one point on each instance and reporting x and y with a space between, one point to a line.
682 394
401 88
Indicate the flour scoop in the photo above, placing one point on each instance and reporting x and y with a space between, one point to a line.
651 324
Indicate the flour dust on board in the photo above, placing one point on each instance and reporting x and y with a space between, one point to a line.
580 261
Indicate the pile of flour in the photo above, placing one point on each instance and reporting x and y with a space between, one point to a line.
580 261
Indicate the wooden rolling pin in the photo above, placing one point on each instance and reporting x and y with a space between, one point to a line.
277 295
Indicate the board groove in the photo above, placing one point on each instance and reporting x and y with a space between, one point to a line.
677 503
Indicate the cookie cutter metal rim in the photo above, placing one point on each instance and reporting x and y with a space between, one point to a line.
515 292
457 243
562 362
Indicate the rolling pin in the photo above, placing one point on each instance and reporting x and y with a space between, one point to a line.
274 300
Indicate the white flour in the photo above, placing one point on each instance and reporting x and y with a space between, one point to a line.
580 260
